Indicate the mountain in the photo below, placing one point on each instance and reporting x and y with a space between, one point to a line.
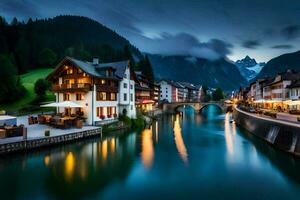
76 36
248 67
280 64
219 73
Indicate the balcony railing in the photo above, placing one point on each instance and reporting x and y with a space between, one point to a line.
72 87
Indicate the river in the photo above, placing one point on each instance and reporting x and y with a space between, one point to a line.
182 156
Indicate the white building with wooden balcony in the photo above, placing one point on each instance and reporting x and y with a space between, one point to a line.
97 87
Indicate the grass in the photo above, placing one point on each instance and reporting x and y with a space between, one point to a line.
28 81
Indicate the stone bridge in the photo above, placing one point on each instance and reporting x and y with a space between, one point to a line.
172 107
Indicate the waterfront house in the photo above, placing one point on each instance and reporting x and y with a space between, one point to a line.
144 92
168 91
276 90
182 92
294 93
192 92
102 90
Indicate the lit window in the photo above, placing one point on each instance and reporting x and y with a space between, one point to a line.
102 81
101 96
112 96
69 71
79 97
66 97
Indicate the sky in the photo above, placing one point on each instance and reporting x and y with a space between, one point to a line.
210 29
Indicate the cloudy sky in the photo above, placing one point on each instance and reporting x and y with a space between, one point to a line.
204 28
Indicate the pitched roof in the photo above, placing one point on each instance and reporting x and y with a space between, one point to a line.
97 70
120 67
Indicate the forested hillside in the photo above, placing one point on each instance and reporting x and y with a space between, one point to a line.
35 44
41 43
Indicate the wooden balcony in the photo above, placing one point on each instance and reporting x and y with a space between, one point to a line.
106 88
77 87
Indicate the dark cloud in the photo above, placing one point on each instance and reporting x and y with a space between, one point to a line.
282 46
19 8
290 32
267 21
187 44
251 44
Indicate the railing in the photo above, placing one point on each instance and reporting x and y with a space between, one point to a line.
69 87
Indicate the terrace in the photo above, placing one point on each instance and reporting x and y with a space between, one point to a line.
37 131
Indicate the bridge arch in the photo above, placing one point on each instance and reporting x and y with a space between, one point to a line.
220 107
197 106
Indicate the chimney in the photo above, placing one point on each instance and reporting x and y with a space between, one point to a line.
95 61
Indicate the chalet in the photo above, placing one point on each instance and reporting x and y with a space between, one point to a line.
103 90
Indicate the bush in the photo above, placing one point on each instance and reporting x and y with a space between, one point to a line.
47 133
125 119
138 122
11 88
41 86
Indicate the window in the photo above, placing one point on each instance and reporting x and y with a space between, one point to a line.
167 96
125 97
66 97
79 97
103 81
79 71
131 97
69 71
101 96
131 86
113 97
109 111
125 85
100 111
131 107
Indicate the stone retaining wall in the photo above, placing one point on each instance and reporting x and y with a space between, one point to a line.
46 141
283 135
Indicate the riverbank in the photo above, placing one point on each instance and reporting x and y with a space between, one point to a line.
281 134
18 144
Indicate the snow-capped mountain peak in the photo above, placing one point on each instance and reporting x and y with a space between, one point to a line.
248 67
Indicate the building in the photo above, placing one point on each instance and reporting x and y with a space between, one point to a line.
144 92
276 91
192 92
168 91
102 89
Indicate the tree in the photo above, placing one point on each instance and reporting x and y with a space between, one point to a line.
217 95
146 68
127 54
206 96
47 58
11 88
41 86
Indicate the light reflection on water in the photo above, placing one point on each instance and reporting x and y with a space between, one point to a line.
147 148
228 135
179 140
186 156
